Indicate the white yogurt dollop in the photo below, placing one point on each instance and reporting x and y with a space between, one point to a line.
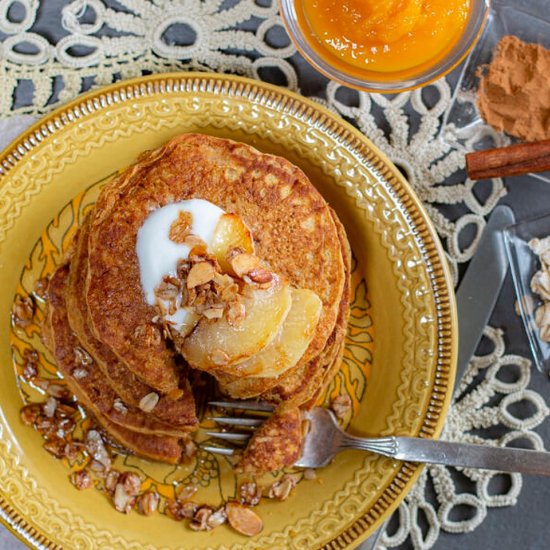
158 256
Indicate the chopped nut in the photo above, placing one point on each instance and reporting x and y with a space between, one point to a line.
236 313
200 274
131 482
119 406
149 402
230 293
310 474
244 263
281 489
168 289
41 288
186 492
213 313
199 521
23 311
148 503
181 228
72 450
149 333
79 373
30 365
243 519
111 480
96 448
217 518
82 356
45 425
30 413
261 276
219 357
122 501
341 405
250 493
81 480
189 448
58 391
180 510
50 406
55 446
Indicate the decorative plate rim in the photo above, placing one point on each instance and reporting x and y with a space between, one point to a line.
432 251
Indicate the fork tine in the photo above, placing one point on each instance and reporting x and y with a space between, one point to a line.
244 405
229 436
218 450
252 422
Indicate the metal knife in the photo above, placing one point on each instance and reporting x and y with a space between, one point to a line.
480 286
475 300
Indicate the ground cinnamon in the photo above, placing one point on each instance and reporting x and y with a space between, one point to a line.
514 92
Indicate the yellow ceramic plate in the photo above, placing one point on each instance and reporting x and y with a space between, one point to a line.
401 346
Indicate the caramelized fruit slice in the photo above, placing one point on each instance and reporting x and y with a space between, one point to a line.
291 341
231 233
218 344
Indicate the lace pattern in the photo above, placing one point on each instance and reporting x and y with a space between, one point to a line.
108 40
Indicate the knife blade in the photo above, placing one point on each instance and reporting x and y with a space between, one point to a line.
479 289
475 299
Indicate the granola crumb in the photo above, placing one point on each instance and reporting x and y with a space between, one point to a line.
148 503
41 288
310 474
280 490
341 406
23 311
250 493
81 480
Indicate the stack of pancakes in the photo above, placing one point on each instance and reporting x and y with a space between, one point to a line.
124 366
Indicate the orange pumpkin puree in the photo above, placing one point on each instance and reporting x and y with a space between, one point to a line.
386 35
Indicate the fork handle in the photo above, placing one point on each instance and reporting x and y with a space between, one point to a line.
467 455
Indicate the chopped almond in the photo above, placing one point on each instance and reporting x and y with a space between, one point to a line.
200 274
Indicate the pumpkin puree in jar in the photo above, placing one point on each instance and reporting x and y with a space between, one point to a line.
386 35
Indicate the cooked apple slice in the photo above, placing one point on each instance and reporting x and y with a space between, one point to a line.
219 344
231 232
291 341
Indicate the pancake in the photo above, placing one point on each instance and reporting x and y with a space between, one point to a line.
285 213
90 390
298 385
276 444
180 412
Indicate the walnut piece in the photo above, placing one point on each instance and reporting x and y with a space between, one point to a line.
97 450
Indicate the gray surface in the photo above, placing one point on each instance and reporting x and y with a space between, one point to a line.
526 525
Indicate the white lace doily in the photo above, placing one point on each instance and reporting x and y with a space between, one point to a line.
106 40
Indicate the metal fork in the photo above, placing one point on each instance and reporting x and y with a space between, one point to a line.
325 439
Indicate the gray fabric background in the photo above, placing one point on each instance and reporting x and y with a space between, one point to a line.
526 525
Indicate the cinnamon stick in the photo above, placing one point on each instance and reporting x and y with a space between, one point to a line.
509 161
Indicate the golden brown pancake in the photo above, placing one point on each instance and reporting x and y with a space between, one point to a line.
292 226
276 444
180 412
90 390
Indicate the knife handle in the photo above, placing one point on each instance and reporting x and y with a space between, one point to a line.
467 455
